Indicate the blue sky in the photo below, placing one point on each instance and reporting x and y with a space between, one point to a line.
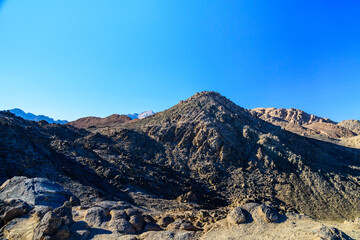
69 59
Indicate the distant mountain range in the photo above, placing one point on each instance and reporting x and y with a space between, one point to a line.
32 117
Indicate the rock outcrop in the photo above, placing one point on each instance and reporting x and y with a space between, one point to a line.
92 122
309 125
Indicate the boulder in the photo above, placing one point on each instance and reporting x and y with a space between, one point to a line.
117 214
138 222
95 216
268 213
65 212
331 233
12 209
36 191
122 226
48 226
236 216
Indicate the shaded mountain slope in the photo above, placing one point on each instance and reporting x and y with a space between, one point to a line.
87 122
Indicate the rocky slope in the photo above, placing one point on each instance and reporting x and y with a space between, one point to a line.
353 125
87 122
309 125
205 155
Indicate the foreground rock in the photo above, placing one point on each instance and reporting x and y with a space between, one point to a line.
236 216
36 191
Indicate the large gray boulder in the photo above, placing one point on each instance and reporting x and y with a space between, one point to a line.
36 191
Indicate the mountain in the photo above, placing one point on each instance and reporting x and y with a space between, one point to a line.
353 125
32 117
305 124
192 162
88 122
141 115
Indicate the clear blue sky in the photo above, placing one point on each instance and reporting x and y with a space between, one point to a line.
69 59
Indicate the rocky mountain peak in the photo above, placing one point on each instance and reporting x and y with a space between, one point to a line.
206 107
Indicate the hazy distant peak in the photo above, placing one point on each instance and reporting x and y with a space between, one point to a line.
32 117
141 115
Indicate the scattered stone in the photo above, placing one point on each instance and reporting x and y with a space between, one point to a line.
236 216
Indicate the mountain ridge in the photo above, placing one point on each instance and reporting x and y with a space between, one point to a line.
32 117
